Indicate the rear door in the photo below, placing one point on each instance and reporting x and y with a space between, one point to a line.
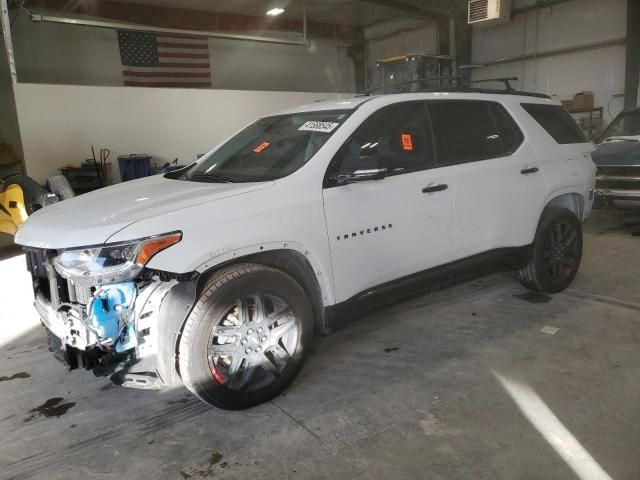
381 230
497 185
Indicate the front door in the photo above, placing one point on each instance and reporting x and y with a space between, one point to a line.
382 230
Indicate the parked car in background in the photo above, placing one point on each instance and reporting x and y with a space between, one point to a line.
217 276
618 162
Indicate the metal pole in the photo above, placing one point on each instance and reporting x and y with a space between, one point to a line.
145 28
453 51
305 32
559 51
632 74
8 43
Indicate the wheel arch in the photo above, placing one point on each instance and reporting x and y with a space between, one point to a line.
572 201
293 263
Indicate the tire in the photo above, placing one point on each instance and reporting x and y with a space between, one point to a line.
252 305
556 252
60 186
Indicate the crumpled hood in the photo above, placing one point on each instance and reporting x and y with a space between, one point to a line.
617 153
92 218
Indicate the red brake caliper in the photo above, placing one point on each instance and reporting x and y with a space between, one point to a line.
216 374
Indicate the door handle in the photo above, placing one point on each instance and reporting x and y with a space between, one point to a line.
435 187
528 170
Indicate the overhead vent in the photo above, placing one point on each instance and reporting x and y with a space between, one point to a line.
485 13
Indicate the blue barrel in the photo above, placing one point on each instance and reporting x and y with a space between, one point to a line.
134 166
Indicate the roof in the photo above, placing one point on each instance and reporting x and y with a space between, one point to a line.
469 94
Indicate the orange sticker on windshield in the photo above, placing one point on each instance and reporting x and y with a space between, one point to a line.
261 147
407 143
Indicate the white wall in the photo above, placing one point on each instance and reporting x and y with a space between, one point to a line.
574 23
77 55
59 123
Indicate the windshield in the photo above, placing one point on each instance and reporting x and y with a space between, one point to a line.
625 124
270 148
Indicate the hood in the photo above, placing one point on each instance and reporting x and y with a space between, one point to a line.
92 218
617 153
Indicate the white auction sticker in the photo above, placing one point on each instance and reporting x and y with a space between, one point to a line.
325 127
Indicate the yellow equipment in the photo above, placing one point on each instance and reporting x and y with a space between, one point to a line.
12 209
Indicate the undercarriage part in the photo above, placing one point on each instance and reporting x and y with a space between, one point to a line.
142 380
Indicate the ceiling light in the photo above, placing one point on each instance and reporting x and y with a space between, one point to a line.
274 12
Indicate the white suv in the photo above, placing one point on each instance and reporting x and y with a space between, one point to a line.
219 275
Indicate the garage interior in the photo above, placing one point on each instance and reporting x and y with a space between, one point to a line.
480 380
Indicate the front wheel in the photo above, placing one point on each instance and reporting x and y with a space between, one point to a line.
556 252
246 338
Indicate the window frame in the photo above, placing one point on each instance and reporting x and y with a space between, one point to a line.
332 168
489 103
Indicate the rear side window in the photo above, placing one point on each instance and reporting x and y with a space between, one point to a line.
471 130
557 122
398 134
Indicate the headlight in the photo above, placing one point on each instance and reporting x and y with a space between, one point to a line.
112 263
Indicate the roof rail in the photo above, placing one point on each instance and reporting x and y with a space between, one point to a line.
458 86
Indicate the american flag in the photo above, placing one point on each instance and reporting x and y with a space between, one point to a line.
162 60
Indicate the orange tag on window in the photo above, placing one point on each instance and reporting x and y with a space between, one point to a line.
261 147
407 144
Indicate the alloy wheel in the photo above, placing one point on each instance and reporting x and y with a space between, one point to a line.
561 251
253 341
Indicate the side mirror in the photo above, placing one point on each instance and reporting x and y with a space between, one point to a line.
361 169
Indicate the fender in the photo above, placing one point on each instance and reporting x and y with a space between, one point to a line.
567 198
323 274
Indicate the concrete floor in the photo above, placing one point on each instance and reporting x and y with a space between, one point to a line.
482 381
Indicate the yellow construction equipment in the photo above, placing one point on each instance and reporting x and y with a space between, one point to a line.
13 212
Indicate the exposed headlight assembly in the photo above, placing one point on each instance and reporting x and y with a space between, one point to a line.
111 263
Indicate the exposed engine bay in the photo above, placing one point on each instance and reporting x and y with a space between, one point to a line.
109 329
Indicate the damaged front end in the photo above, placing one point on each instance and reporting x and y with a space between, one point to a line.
102 308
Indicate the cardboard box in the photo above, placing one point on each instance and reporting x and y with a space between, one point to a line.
7 157
568 104
582 101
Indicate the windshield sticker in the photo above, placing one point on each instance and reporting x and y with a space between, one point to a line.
324 127
261 147
407 143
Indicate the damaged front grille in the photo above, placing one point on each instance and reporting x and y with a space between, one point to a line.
46 280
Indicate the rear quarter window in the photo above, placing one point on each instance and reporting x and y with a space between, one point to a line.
557 122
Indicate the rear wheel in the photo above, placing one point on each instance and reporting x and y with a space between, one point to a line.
556 252
246 337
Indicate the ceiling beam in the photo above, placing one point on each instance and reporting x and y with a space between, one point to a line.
407 8
185 19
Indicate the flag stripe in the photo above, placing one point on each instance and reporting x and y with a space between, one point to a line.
187 64
179 45
183 55
128 73
195 51
180 67
132 83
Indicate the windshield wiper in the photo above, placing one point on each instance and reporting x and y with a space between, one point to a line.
212 177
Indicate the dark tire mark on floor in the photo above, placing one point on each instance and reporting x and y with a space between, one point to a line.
533 297
15 376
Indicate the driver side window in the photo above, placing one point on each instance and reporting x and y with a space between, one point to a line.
397 136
